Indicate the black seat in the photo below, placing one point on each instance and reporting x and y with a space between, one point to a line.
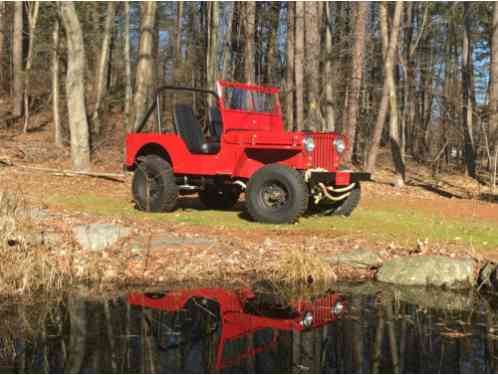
190 130
215 123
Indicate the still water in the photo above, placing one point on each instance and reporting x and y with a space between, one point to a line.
219 330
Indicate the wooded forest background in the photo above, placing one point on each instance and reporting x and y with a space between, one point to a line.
419 77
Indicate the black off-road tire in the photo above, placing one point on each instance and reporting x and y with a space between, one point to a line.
341 208
222 198
156 175
347 206
286 179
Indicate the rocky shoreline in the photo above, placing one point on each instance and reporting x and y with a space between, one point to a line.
108 252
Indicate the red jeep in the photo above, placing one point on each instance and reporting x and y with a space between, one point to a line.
233 316
237 144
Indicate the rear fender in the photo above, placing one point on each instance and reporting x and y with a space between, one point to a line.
150 149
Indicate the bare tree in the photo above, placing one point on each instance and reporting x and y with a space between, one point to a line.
103 67
127 58
33 10
2 41
227 41
353 106
249 30
17 52
291 19
312 63
56 85
178 40
391 85
145 67
493 100
213 27
329 89
469 147
299 65
75 87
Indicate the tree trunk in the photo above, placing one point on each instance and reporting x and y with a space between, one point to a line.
356 76
389 63
213 27
2 43
289 99
469 149
128 92
329 89
178 40
249 30
272 43
228 45
75 88
33 19
103 67
145 65
55 85
312 64
17 52
493 100
299 65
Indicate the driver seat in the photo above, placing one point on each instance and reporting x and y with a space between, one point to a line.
189 129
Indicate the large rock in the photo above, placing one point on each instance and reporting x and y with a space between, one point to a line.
358 258
431 270
96 237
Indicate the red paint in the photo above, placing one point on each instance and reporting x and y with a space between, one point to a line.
236 322
249 141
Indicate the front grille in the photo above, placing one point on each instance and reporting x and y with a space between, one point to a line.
324 155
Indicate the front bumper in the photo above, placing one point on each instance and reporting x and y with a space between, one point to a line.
339 178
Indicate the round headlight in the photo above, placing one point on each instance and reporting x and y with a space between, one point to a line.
338 308
309 144
340 145
307 320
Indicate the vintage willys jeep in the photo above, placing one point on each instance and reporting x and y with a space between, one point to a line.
244 147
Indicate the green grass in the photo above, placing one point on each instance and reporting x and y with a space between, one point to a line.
398 224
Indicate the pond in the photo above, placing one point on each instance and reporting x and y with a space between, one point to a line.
348 329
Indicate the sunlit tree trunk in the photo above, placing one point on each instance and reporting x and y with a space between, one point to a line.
329 89
249 31
389 64
493 100
289 100
312 63
17 52
33 10
103 67
178 40
227 42
469 147
56 85
128 90
299 65
353 105
213 27
2 43
75 88
145 65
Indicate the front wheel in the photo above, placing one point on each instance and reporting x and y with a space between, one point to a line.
276 194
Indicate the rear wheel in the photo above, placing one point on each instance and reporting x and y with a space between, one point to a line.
276 194
220 198
154 187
